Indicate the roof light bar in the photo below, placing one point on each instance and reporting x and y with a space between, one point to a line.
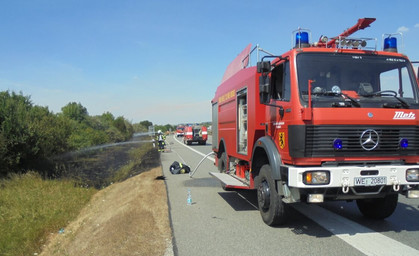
353 43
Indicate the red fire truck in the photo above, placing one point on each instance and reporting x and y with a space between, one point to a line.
180 130
195 133
336 119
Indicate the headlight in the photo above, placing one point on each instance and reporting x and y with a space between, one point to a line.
316 177
412 174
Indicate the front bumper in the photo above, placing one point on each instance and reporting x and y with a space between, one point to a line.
344 183
345 176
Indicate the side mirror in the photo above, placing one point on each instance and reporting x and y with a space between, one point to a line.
264 88
264 66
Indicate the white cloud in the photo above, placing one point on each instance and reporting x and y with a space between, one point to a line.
402 29
416 25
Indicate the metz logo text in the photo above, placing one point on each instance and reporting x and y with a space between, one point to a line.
404 116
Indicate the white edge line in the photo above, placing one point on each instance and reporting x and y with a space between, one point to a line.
194 150
361 238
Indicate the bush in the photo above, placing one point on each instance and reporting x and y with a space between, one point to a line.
29 134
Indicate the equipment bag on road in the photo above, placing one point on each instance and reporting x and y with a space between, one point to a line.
179 168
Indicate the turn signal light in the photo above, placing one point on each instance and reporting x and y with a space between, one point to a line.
316 177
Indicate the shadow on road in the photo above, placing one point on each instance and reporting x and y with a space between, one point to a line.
403 219
201 182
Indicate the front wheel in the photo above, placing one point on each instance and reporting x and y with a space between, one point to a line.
271 207
378 208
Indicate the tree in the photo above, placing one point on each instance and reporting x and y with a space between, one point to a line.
142 126
146 123
75 111
29 134
107 118
16 141
119 124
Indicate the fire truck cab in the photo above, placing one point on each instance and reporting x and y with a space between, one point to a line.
335 119
195 133
180 130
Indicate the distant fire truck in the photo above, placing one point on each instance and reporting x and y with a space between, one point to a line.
195 133
180 130
336 119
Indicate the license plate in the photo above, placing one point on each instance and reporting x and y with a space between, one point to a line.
370 181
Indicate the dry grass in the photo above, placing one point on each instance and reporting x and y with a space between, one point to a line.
31 207
128 218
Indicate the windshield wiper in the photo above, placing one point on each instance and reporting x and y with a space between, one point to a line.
388 93
343 95
354 102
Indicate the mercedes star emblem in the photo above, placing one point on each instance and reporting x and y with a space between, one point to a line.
369 139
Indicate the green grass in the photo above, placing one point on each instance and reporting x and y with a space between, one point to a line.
31 208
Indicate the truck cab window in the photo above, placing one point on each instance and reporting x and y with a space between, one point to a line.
281 82
363 78
399 77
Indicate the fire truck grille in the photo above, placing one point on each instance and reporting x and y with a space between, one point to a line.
384 140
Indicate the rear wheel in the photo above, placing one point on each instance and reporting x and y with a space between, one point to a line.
222 163
271 207
222 167
378 208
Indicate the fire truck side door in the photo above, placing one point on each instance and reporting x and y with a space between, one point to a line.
280 114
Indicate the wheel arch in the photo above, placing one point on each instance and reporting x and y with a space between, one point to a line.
265 152
221 148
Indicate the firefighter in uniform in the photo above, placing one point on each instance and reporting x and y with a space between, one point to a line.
160 141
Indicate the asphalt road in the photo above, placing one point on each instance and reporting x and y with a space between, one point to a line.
228 223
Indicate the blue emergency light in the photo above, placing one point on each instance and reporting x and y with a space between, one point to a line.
390 44
337 144
404 143
301 39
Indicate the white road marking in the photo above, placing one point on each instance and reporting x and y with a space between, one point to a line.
361 238
194 150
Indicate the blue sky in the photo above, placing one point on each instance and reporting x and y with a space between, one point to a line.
162 60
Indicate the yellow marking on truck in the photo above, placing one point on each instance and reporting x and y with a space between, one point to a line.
227 96
281 136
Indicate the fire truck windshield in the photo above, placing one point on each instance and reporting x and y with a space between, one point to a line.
357 80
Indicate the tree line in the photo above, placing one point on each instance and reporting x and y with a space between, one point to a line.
31 134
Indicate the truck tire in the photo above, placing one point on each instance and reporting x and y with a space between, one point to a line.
271 207
222 167
378 208
222 163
